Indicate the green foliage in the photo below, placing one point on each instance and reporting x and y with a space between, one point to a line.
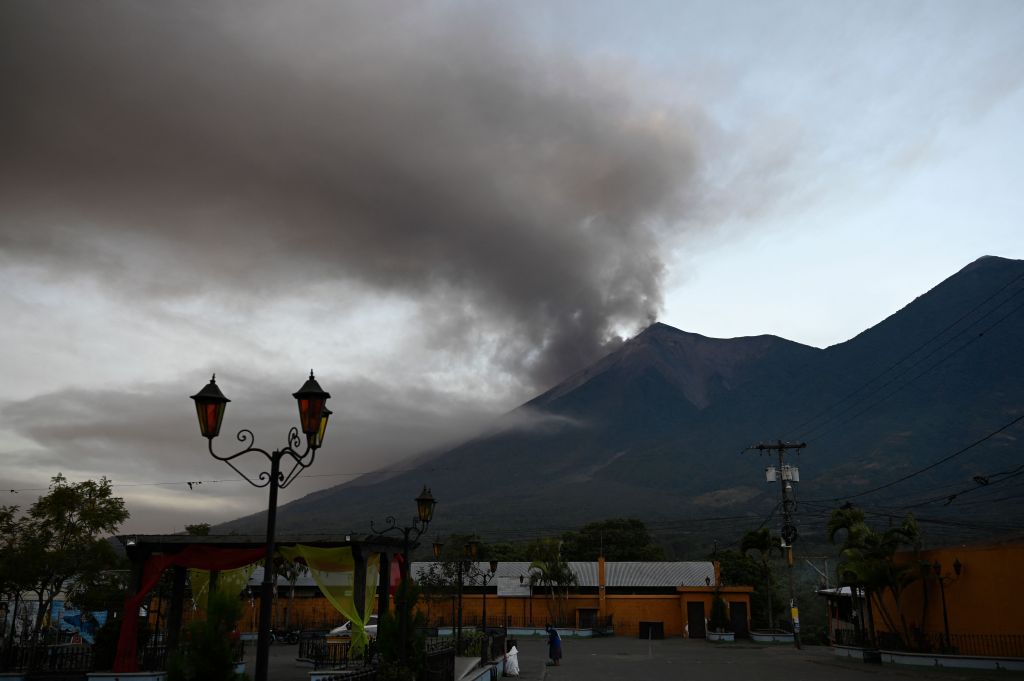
867 560
506 551
766 544
738 569
719 620
393 670
198 530
389 635
57 544
104 590
549 569
209 647
618 539
104 648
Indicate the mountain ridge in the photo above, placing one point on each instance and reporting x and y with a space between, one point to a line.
654 429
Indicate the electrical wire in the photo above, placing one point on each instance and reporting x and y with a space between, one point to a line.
906 384
930 466
916 350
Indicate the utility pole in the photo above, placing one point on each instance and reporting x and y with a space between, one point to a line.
786 476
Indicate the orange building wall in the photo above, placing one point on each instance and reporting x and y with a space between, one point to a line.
985 599
627 611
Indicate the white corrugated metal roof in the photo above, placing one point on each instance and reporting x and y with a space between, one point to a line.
617 574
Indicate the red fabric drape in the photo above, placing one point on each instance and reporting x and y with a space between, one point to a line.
195 556
395 576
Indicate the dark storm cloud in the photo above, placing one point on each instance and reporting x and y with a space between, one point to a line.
429 151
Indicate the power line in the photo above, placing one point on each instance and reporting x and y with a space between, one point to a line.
929 467
906 384
918 349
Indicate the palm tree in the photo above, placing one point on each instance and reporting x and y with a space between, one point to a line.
765 543
548 569
291 571
867 562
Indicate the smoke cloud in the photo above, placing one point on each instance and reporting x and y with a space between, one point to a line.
514 192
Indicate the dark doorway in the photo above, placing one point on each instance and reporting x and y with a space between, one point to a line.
738 615
652 630
587 617
695 619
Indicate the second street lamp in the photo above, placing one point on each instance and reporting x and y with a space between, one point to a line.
486 579
470 550
425 504
313 415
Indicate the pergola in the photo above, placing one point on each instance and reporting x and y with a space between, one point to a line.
151 554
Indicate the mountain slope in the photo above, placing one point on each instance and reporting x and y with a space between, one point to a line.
655 429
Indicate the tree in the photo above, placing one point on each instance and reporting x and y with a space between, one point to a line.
549 569
867 562
390 642
198 530
290 570
615 539
209 648
766 544
58 543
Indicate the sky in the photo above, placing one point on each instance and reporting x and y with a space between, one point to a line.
445 208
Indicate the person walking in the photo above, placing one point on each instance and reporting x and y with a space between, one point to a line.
554 645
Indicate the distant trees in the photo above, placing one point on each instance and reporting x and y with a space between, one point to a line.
617 539
58 543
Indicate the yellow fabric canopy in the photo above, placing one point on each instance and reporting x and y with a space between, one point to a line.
228 581
333 570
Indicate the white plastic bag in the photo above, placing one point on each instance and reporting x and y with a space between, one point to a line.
512 662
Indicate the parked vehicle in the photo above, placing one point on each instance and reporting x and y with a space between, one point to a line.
346 628
288 637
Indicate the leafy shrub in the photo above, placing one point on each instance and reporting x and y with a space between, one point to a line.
208 650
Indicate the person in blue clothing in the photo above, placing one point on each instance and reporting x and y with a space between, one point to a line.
554 645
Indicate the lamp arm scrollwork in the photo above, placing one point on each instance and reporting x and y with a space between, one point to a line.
246 437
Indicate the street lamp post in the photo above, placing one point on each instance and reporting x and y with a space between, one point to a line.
486 578
470 549
425 504
937 567
313 415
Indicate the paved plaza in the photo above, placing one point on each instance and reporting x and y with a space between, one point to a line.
627 659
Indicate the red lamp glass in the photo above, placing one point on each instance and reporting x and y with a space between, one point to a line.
312 399
438 547
210 405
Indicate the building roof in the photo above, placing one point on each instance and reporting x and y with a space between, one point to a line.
617 574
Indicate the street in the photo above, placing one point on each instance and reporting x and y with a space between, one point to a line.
629 659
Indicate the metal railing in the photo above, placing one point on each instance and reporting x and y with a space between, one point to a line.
41 657
979 645
493 648
367 674
323 653
439 664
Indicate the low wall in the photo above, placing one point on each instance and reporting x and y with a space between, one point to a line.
932 660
